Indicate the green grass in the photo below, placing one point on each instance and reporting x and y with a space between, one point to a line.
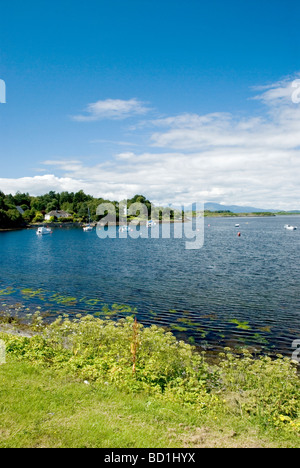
41 408
171 398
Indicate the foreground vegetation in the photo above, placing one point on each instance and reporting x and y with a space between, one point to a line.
72 385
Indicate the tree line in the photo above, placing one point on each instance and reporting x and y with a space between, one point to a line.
22 209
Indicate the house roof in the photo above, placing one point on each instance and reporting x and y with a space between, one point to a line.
20 210
61 213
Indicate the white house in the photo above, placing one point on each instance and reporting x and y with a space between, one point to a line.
57 215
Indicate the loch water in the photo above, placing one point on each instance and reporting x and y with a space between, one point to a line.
234 291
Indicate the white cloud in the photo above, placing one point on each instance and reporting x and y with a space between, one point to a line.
280 92
60 162
112 109
39 185
213 157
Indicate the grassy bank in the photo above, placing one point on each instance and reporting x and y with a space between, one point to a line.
94 383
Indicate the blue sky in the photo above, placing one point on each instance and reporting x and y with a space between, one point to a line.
178 100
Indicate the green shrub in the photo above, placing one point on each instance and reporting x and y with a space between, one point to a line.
264 387
39 218
134 358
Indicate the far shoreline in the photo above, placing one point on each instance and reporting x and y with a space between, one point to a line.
58 224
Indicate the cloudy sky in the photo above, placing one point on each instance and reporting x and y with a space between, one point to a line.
179 101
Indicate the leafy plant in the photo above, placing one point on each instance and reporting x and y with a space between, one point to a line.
128 356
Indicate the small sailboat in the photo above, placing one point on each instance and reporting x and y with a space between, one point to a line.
42 231
288 227
151 224
88 227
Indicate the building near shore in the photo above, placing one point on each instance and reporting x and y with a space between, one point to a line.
57 214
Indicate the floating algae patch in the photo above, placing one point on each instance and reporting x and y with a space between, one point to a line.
254 339
202 332
266 329
187 322
90 302
108 312
6 291
178 328
173 311
124 309
187 312
152 313
34 293
211 316
241 325
63 300
260 339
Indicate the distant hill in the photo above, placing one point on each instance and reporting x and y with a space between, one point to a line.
212 206
236 208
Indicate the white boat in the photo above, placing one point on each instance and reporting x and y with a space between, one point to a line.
42 231
124 229
290 228
151 224
88 227
237 225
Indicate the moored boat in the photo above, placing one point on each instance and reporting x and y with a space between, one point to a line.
290 228
42 231
88 227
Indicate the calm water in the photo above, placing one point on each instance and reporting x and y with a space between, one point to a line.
234 291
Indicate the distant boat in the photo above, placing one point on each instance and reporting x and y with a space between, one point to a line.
151 224
124 229
42 231
88 227
237 225
290 228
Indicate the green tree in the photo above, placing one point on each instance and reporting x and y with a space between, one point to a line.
22 199
39 218
52 206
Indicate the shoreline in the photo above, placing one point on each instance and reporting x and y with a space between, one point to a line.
16 319
142 222
12 229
